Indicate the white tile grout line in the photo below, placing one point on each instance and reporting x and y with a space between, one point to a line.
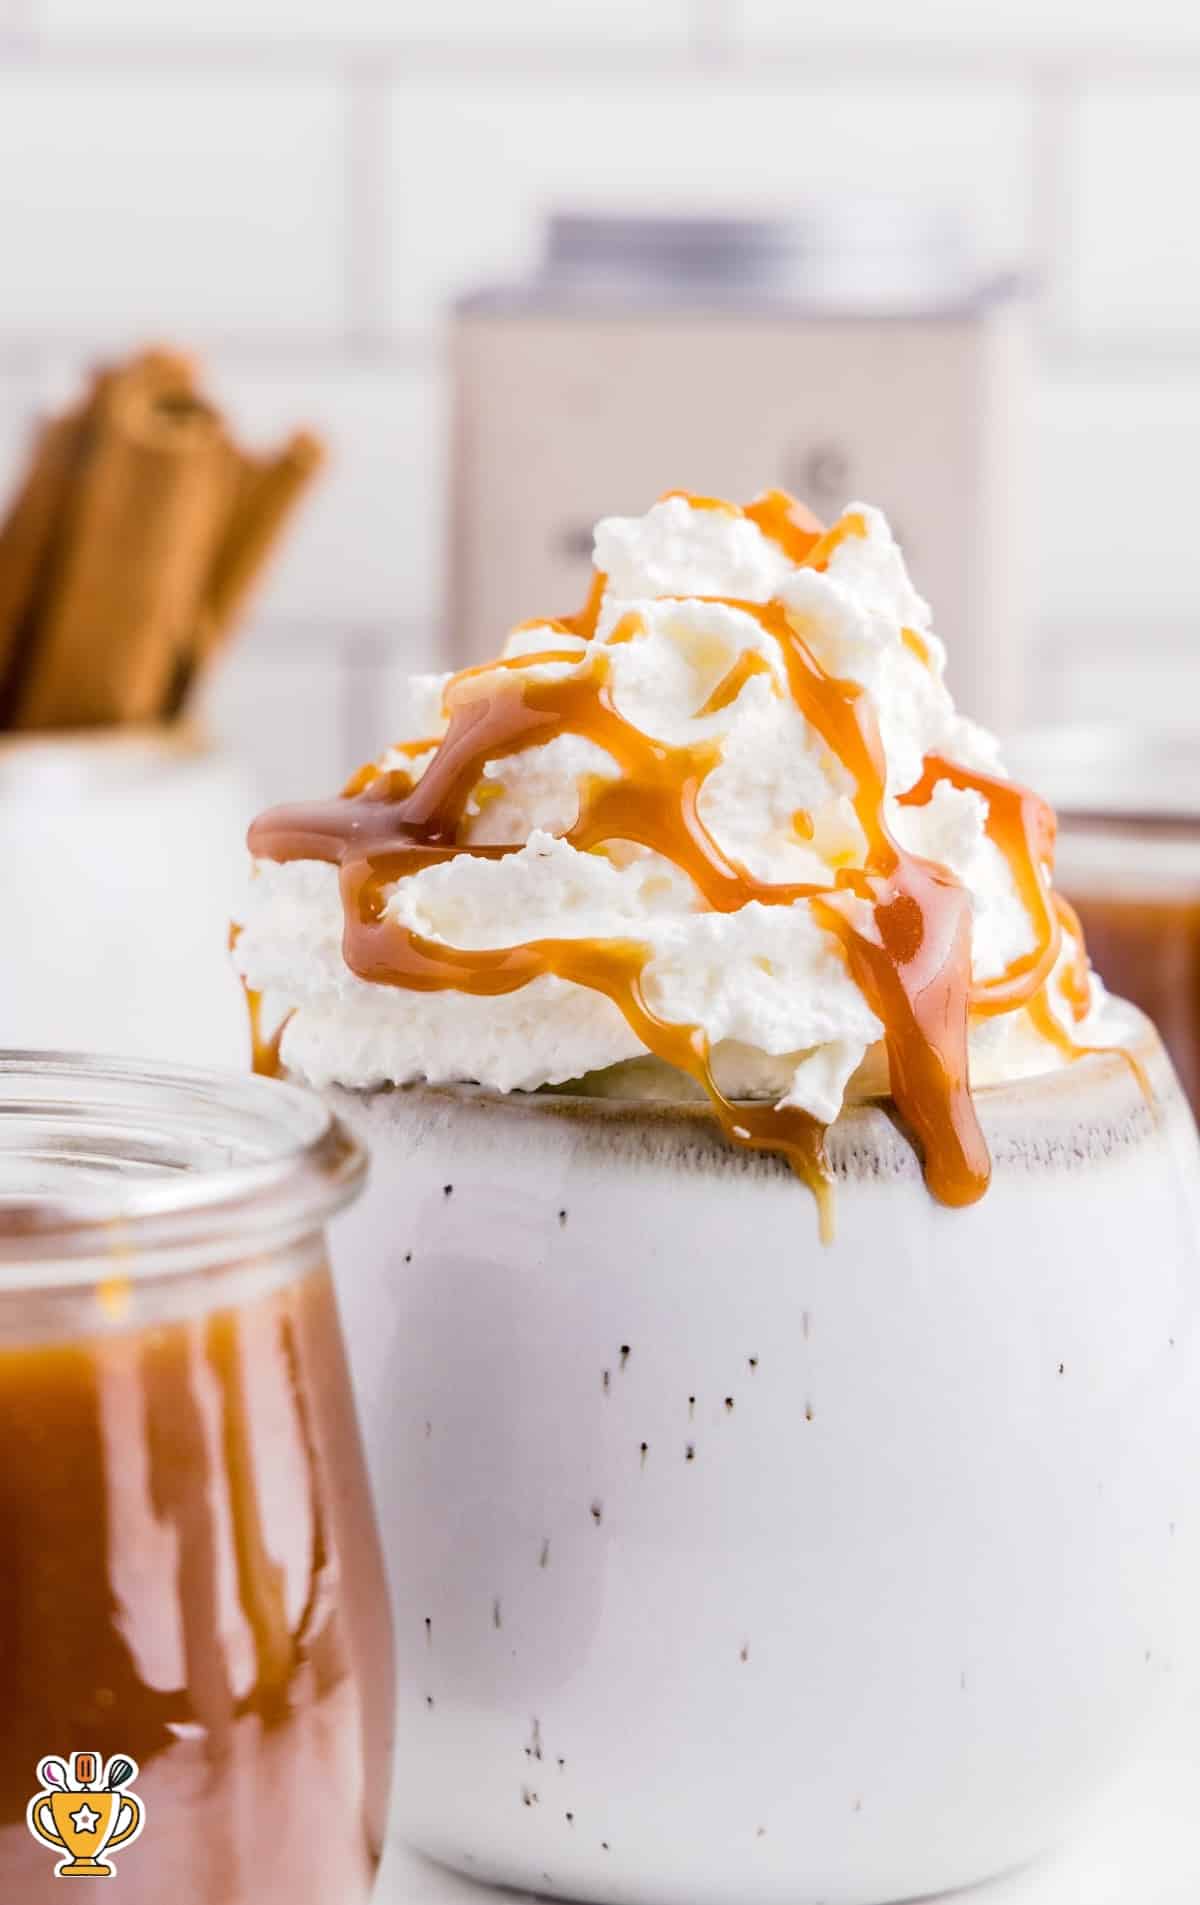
766 63
367 186
25 353
1141 357
366 645
1052 102
18 21
711 29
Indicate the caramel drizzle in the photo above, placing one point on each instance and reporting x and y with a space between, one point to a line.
784 521
1075 993
1023 826
903 922
748 664
916 645
912 958
264 1050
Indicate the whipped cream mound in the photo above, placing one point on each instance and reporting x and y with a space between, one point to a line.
769 985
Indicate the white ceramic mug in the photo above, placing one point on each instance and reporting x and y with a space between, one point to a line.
730 1568
120 858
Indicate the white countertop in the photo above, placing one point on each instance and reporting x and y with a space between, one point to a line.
1141 1846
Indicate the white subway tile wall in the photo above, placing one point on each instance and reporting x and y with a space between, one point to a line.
366 554
296 189
503 153
1074 26
170 200
1116 507
1134 159
376 20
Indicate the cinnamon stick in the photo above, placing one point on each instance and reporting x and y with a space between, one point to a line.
148 509
268 490
28 536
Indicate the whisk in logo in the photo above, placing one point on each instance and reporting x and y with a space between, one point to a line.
84 1811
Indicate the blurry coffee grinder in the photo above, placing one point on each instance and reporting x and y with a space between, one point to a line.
848 350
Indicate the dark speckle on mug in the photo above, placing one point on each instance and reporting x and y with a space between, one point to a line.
528 1798
570 1818
447 1190
606 1381
561 1764
753 1360
745 1653
645 1450
808 1412
544 1557
604 1845
690 1452
496 1620
428 1631
408 1256
624 1354
597 1512
429 1700
562 1216
729 1404
1061 1368
691 1408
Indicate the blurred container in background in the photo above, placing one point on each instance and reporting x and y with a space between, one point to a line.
848 350
1128 804
121 859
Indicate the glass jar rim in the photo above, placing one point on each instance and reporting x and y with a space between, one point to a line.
111 1167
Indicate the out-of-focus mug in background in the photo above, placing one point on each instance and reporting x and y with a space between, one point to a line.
1128 804
120 860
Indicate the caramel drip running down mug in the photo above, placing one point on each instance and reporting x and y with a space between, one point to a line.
733 1569
191 1590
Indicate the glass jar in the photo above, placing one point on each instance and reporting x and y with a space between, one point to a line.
191 1577
1128 805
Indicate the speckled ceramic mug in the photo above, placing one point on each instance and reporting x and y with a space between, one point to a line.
733 1568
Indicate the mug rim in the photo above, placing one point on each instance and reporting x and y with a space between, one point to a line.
1092 1107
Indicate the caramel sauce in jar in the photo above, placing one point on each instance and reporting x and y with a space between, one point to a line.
191 1576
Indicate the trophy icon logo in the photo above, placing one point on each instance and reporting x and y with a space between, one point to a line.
83 1811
